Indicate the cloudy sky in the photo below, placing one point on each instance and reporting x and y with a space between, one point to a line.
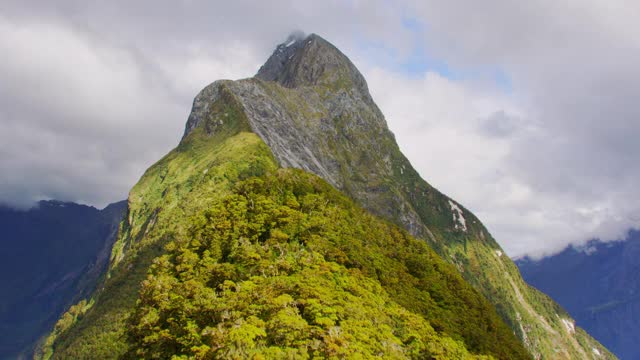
527 112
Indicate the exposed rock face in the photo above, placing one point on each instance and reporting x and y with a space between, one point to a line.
311 61
313 109
321 119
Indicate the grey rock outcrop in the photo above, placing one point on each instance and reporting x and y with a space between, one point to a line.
322 120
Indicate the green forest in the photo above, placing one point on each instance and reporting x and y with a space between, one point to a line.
286 267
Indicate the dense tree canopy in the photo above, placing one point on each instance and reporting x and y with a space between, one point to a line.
286 267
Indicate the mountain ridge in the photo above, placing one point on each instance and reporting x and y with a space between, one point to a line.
327 128
314 113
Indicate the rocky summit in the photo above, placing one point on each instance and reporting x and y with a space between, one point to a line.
288 224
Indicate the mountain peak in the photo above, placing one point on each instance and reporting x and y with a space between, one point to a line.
308 61
309 108
302 61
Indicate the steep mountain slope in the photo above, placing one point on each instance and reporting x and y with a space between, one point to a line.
302 271
309 108
221 232
52 255
598 284
313 109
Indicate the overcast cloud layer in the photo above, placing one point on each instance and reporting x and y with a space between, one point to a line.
526 113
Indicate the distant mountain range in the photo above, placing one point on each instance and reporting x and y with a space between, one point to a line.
50 257
599 285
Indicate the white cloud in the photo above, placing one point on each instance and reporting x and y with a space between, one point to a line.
572 67
80 120
477 146
92 93
84 113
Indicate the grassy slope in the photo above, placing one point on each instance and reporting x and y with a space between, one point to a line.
202 171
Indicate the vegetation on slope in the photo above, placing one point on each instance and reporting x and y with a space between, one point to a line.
280 255
170 192
323 120
287 267
326 123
